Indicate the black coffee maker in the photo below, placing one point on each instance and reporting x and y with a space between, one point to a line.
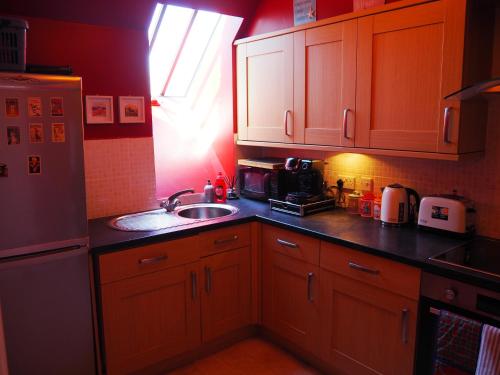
304 180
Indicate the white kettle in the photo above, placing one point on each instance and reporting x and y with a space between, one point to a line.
396 208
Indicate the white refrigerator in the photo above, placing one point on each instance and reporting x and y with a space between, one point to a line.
45 296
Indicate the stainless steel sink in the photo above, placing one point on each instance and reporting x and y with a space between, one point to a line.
205 211
161 219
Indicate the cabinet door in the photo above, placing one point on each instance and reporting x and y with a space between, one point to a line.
325 84
408 61
149 318
226 296
265 89
290 299
366 330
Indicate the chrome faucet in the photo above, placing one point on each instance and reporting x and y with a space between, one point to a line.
172 202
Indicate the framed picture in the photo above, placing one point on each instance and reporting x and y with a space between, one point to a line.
99 109
131 109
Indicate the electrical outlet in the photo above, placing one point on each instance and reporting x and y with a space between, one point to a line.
349 181
366 184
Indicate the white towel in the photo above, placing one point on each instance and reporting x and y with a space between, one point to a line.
488 362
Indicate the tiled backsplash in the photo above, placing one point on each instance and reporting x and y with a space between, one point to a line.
120 176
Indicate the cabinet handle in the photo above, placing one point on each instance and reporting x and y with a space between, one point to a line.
287 244
153 260
359 267
208 280
285 120
446 125
225 240
344 123
194 285
404 325
310 277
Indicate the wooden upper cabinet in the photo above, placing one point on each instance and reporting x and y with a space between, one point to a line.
408 61
325 84
265 89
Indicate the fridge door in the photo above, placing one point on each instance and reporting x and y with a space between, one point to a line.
47 316
42 206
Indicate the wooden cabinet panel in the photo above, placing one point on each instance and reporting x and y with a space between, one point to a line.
366 330
325 84
291 244
265 89
145 259
383 273
290 299
149 318
408 61
218 240
225 299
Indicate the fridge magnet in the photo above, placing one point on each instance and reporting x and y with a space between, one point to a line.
35 107
304 11
131 109
58 133
99 109
11 107
34 164
56 107
35 132
4 171
13 135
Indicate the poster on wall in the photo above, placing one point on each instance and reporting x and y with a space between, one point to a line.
304 11
99 109
131 109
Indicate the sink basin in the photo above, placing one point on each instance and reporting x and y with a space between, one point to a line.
206 211
160 219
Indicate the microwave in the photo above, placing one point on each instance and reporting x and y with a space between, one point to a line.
262 179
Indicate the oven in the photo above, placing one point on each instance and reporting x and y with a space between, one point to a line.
453 316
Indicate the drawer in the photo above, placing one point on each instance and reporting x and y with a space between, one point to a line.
290 243
383 273
218 240
145 259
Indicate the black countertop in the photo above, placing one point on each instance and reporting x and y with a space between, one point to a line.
403 244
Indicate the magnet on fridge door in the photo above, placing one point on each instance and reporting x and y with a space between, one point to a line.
12 107
58 133
34 164
13 135
35 132
4 170
34 107
56 107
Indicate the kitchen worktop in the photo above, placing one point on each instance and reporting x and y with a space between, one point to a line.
406 244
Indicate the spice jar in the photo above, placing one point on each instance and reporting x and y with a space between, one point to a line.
366 205
377 206
353 203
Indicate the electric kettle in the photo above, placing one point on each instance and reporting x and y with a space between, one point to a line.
396 206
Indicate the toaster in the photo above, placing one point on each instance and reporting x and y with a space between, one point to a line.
451 213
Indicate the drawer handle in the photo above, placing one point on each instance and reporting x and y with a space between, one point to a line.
310 277
287 244
446 125
359 267
154 260
344 123
194 285
208 280
221 241
285 121
404 325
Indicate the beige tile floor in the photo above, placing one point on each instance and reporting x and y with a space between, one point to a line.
248 357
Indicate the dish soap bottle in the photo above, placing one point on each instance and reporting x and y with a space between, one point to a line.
220 189
209 192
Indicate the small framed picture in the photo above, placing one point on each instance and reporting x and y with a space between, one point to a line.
131 109
12 107
35 107
34 164
35 132
56 107
13 135
99 109
58 133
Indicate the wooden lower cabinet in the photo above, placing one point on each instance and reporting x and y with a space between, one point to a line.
365 329
290 299
225 298
149 318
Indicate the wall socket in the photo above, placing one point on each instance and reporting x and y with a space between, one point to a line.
349 182
366 184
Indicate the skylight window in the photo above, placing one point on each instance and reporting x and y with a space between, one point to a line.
178 40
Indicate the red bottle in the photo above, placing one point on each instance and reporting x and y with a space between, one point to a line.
220 188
